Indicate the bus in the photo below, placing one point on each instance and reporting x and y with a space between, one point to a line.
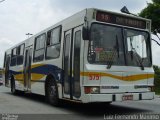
93 56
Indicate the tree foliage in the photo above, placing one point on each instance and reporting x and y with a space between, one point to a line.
156 1
152 11
157 79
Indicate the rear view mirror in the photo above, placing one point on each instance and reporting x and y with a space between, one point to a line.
85 33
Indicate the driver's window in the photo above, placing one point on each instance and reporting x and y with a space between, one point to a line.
137 44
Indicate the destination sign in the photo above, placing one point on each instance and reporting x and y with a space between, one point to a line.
120 20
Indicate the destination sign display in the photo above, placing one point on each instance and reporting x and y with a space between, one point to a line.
120 20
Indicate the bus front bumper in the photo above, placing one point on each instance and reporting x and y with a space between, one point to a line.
87 98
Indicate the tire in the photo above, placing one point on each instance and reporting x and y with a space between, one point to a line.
108 103
13 88
52 92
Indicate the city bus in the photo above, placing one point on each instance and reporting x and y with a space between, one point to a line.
92 56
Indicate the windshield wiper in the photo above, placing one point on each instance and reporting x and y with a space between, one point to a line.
117 45
113 54
138 58
131 49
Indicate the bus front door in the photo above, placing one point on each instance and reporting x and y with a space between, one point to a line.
27 69
67 64
71 63
8 58
77 62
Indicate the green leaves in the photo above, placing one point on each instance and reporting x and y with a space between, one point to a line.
152 11
157 79
156 1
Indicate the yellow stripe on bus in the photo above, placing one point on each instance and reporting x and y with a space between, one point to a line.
19 77
35 76
36 65
33 66
124 78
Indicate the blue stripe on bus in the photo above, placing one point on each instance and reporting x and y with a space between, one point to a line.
43 69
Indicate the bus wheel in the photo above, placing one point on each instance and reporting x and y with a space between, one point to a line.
52 92
13 88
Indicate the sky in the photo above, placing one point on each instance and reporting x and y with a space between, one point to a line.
18 17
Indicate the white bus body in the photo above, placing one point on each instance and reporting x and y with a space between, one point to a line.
92 56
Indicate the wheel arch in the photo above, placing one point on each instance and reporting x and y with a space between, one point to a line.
49 77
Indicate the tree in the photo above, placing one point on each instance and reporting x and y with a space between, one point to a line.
157 79
156 1
152 11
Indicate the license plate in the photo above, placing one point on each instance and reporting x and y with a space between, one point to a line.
127 97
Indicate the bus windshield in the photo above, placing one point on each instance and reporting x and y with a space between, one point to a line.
113 45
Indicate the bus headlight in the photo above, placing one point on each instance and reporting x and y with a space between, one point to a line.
92 90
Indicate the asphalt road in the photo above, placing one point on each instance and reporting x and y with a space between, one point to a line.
34 106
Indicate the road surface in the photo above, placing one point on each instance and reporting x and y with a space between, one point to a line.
31 105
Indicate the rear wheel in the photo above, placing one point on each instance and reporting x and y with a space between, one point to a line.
52 92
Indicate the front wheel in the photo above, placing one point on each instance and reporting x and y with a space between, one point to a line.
52 92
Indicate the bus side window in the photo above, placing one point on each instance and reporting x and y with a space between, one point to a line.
20 54
13 57
39 48
53 43
49 38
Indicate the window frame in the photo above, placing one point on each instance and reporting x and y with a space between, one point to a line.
35 41
148 46
23 44
15 57
47 46
124 41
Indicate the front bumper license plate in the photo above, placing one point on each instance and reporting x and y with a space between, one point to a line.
127 97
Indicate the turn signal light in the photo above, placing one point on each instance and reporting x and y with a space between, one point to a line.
91 90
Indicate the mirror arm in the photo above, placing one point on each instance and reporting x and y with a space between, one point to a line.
156 41
156 31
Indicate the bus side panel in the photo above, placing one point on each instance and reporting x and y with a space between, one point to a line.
39 73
